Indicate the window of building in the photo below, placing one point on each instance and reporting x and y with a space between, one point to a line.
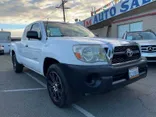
122 29
137 26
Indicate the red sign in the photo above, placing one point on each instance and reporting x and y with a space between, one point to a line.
88 22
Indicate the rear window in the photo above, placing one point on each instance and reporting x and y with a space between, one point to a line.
5 37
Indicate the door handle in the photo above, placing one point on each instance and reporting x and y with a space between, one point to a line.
26 45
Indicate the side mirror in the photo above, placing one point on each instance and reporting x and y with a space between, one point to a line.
33 34
96 35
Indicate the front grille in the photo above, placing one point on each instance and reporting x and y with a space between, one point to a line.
149 45
148 48
121 56
124 48
1 51
151 58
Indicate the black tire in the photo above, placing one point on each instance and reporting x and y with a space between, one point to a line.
58 88
18 68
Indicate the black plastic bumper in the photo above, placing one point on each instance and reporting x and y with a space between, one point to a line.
1 51
97 79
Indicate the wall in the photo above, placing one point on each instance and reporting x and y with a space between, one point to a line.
149 22
102 32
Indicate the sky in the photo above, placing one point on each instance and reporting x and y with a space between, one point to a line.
16 14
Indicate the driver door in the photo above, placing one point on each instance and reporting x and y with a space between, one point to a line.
34 48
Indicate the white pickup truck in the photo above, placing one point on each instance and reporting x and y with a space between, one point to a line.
75 62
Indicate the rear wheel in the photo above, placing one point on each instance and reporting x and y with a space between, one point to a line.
58 88
18 68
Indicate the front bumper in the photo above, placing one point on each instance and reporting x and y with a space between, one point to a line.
107 77
1 51
151 57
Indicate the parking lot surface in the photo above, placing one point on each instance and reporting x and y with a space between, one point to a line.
25 95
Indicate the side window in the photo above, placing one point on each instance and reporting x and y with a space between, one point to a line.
36 27
25 33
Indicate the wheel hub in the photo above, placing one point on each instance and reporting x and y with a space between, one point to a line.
55 87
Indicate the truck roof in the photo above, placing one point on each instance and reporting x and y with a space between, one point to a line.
44 21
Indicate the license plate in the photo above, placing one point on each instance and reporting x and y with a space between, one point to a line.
133 72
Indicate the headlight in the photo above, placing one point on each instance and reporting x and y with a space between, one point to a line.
140 48
1 47
90 53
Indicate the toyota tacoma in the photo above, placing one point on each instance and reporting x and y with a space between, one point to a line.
75 62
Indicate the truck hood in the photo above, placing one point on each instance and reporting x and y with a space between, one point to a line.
88 40
146 42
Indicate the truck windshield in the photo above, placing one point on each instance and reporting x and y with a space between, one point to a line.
65 29
5 37
141 36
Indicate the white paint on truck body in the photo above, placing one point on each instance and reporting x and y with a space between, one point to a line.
32 52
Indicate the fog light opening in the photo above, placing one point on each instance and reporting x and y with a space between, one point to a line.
93 80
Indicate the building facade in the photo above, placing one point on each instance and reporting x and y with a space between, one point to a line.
127 15
140 22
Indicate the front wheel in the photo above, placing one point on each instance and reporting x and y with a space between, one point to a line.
58 88
18 68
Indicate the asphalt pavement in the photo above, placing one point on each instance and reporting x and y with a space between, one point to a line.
25 95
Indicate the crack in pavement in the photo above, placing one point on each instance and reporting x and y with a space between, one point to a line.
143 105
141 101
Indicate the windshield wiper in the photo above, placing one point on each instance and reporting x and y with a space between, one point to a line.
58 36
64 35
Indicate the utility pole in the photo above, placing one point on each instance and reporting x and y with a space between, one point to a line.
63 8
64 15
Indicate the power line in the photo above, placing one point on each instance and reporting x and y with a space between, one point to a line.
62 5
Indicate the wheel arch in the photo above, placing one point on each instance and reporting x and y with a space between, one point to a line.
48 61
12 52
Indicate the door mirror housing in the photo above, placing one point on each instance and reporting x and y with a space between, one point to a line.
96 35
33 35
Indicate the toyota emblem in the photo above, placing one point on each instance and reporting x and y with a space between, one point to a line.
129 52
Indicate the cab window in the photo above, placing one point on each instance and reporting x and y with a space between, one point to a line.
25 32
36 27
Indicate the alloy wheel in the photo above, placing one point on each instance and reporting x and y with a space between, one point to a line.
55 87
14 62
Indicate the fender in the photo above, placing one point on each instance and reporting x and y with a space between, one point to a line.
47 53
42 62
15 49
